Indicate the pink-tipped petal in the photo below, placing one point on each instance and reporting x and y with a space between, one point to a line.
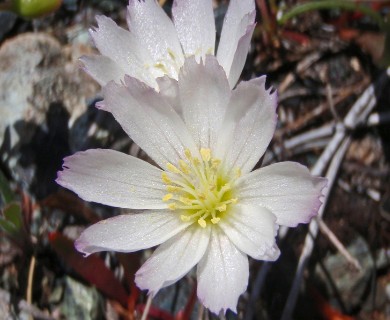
124 48
113 178
173 259
235 38
286 188
194 22
130 232
222 274
204 94
149 120
248 126
252 230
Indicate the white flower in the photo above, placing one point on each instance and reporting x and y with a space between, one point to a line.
155 46
204 207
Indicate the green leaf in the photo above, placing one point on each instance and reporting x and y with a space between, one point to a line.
13 214
31 9
331 4
8 227
5 190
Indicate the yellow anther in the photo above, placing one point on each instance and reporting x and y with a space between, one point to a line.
215 220
172 168
172 206
206 154
184 218
184 166
222 208
215 163
165 178
161 66
226 187
185 200
198 188
202 222
188 154
167 197
173 189
201 196
171 53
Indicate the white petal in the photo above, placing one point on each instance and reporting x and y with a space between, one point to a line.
240 56
173 259
248 126
122 48
102 69
130 232
169 88
235 38
194 22
113 178
156 32
149 120
204 95
286 188
252 230
223 274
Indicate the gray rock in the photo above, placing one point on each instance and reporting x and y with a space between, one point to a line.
43 93
351 285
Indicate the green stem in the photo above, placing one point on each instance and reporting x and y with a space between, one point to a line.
331 4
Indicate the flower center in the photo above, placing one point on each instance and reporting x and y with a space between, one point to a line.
199 188
169 65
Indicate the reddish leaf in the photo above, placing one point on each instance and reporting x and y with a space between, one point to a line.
135 291
92 268
155 313
327 311
296 37
186 313
69 203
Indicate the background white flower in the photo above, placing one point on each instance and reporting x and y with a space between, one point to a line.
204 206
155 46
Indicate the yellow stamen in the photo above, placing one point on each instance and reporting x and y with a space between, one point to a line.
172 168
167 197
199 188
185 218
215 220
222 208
206 154
185 200
202 222
215 163
184 166
165 178
188 154
173 189
172 206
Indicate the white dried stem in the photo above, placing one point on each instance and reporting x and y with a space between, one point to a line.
313 231
339 246
311 135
